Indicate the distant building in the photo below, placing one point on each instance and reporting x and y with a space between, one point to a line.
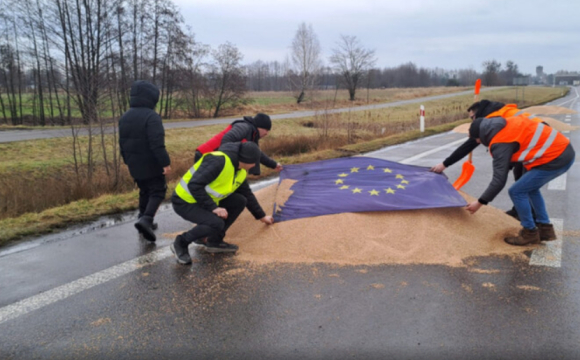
539 71
567 79
522 81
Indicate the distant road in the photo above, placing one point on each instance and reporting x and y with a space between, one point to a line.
21 135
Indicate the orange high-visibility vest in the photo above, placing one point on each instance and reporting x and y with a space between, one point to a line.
505 112
511 110
539 144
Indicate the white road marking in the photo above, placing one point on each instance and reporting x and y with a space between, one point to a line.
558 183
550 252
432 151
62 292
567 101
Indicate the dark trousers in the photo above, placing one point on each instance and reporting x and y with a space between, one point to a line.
151 194
207 223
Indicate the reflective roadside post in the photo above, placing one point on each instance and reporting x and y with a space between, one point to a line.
422 118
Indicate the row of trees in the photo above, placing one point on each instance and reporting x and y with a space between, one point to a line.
67 61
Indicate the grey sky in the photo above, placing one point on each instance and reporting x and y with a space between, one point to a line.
449 34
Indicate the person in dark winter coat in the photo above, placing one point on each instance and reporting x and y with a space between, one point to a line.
247 129
212 194
142 143
544 152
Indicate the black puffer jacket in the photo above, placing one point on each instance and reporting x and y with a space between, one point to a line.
141 133
486 107
246 129
210 169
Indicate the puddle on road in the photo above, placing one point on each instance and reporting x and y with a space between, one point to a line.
85 228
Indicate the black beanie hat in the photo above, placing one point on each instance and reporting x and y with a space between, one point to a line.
474 128
263 121
249 153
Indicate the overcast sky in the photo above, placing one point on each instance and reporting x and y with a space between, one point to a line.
448 34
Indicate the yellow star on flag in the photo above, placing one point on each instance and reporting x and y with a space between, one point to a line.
390 191
387 170
342 175
370 167
339 181
356 190
400 187
353 170
374 192
399 176
404 182
344 187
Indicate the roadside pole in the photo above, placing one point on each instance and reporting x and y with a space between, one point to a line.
422 118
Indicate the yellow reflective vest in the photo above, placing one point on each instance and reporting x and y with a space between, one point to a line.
220 188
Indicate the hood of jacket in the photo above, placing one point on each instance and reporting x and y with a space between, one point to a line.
489 128
144 94
231 150
486 107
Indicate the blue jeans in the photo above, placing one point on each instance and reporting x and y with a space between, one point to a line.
525 194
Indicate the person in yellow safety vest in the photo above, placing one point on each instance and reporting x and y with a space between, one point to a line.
485 109
212 194
545 154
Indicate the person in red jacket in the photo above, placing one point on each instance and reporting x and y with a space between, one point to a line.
247 129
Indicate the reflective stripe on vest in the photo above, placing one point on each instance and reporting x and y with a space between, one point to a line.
221 187
539 144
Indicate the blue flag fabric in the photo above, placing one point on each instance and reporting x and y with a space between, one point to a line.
358 184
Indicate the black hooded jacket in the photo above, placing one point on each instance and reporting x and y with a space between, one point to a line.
486 107
209 170
247 129
141 134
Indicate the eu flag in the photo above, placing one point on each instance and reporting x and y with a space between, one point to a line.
359 184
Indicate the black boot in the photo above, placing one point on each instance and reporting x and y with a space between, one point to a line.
144 226
220 247
179 248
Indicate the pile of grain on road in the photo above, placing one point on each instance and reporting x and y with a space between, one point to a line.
549 110
434 236
556 124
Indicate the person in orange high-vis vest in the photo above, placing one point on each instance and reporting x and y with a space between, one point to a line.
545 154
486 109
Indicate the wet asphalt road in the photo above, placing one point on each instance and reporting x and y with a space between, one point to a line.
104 294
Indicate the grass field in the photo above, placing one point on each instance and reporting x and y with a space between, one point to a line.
37 181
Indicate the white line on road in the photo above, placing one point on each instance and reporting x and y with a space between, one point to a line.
432 151
558 183
62 292
550 252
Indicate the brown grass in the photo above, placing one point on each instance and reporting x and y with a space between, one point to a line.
38 175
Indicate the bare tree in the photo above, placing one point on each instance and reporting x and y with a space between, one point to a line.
226 82
351 60
305 60
491 72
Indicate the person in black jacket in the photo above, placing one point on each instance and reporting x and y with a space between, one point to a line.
247 129
212 194
142 143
